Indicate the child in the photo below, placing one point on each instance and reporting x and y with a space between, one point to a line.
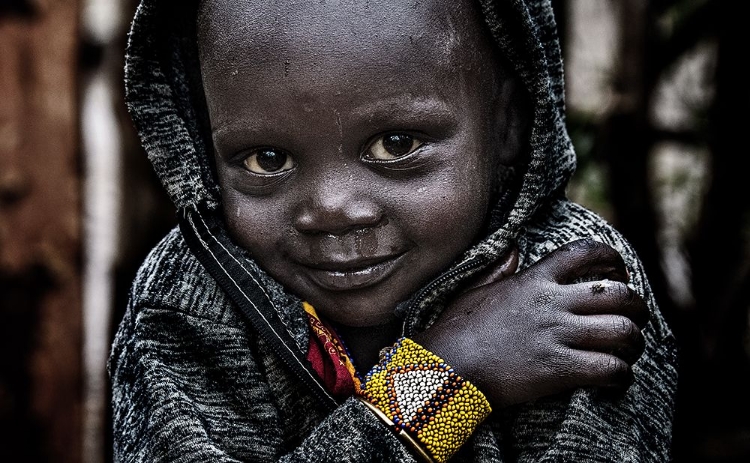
358 183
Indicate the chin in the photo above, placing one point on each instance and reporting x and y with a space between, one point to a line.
351 317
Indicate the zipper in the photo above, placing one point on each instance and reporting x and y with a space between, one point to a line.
408 328
277 338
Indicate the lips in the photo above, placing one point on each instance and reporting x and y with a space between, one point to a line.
352 274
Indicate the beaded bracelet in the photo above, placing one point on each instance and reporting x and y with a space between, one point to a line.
405 437
424 398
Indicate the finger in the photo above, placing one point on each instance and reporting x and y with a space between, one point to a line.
609 334
502 269
584 259
606 297
601 369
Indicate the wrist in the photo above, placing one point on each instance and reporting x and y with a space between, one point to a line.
424 397
460 352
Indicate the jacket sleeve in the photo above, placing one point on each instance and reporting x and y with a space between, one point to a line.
189 389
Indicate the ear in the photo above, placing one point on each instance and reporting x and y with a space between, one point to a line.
512 120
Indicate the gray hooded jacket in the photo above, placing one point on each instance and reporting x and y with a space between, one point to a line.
208 364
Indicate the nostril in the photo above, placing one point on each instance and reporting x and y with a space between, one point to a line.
337 220
337 232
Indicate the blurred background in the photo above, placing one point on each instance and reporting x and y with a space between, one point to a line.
658 108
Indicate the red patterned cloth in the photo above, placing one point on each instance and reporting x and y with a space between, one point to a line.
329 358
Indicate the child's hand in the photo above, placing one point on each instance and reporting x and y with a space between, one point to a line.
534 333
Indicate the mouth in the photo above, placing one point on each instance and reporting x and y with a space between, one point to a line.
353 274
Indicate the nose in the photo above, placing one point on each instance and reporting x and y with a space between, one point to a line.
338 204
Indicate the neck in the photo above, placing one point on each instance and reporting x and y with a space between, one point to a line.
365 343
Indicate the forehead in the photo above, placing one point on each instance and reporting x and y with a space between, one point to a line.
420 35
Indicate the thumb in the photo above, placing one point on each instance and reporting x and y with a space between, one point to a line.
505 267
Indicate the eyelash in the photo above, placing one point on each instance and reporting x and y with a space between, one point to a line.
417 143
254 158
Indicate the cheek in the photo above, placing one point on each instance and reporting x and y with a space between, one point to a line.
252 225
446 212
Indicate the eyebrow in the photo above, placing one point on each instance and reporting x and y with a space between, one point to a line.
248 124
422 107
378 112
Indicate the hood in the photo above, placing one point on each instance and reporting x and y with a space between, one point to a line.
165 104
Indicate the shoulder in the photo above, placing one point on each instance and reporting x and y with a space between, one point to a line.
172 279
563 221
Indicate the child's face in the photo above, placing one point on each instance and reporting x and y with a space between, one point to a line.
356 143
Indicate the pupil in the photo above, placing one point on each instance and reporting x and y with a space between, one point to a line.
398 145
270 160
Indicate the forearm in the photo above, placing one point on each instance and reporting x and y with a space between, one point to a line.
186 389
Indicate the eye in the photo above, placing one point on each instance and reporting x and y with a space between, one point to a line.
268 161
392 146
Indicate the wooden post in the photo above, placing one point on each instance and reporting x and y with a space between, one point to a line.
40 234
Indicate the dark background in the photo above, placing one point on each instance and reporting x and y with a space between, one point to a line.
699 269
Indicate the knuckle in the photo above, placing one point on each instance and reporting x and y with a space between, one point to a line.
614 290
578 244
546 296
584 246
624 291
620 291
600 249
636 306
613 366
625 329
620 327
